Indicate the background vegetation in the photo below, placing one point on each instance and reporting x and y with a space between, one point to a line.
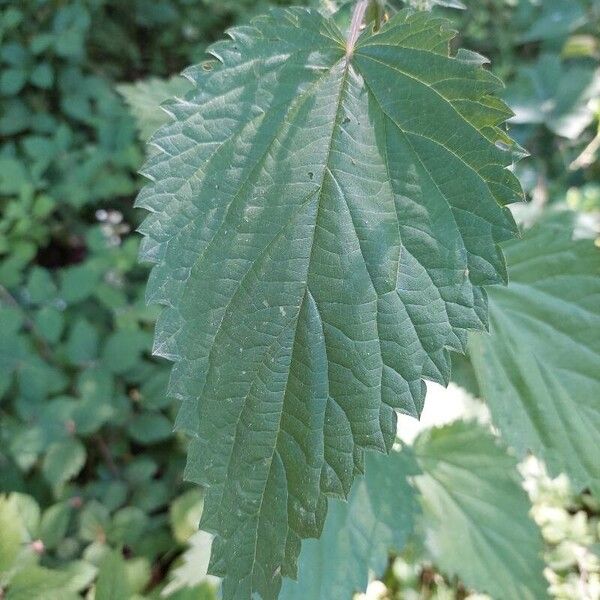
92 496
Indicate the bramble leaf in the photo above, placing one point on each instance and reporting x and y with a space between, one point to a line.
539 370
323 216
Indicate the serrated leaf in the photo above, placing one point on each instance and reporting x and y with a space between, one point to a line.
539 370
145 97
323 218
359 534
63 461
476 513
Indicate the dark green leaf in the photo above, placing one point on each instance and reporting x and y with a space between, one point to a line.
323 219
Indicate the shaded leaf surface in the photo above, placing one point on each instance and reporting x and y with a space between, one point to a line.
358 534
477 514
322 221
539 370
555 93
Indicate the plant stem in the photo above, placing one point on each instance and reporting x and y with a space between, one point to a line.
358 17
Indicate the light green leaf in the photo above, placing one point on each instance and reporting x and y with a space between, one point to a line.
323 219
539 370
477 514
63 461
54 524
11 539
38 583
112 581
358 534
192 570
184 513
145 98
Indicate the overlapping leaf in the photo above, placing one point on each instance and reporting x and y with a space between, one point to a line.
539 370
477 514
358 534
323 217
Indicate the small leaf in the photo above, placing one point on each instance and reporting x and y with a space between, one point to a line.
556 94
145 98
477 514
112 578
63 461
11 538
39 583
150 428
54 524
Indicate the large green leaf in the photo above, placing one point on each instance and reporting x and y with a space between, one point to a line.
359 534
539 370
476 513
323 216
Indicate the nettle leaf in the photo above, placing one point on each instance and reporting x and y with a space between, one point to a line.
358 534
539 370
323 215
473 501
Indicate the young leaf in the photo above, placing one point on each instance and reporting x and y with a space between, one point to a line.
539 370
145 97
477 514
324 213
359 534
112 581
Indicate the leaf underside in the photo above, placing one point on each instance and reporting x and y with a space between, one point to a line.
539 370
322 223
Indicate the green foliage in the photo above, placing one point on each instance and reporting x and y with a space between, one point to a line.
358 534
92 501
476 513
296 318
539 370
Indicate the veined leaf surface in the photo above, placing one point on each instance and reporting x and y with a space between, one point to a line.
323 216
539 370
359 534
473 501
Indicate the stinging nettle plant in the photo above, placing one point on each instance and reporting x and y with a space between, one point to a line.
327 204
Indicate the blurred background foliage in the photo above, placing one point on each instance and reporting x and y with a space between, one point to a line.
92 500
